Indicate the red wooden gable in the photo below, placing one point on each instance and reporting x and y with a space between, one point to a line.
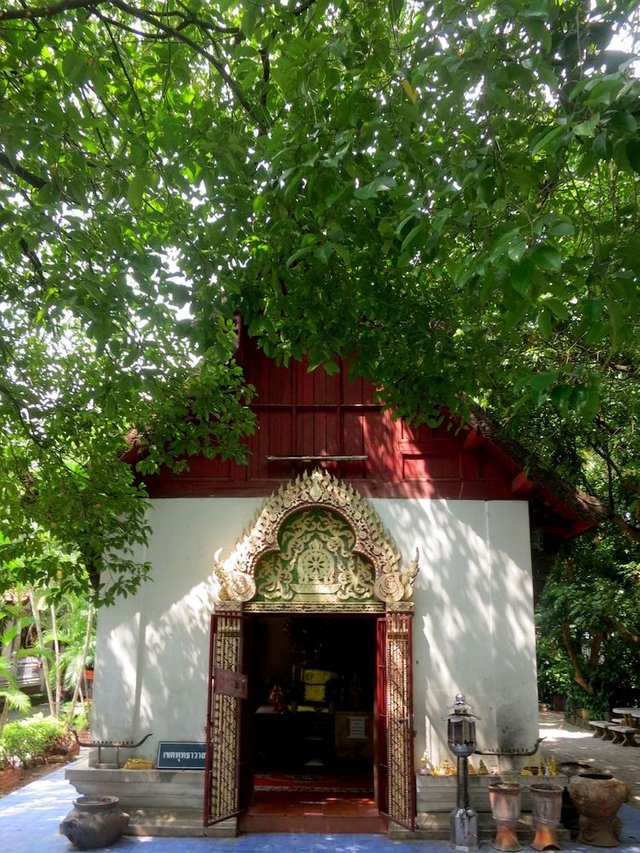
308 419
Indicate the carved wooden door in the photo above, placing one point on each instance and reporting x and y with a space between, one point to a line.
394 720
226 689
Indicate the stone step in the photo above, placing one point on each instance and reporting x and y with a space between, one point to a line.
177 823
141 789
333 824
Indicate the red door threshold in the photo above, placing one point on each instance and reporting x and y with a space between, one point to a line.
313 812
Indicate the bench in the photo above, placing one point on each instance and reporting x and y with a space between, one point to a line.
599 727
624 735
628 716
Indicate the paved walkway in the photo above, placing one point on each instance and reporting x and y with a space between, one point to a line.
29 817
570 743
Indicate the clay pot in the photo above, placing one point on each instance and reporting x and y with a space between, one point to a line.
546 808
505 807
94 822
597 798
570 768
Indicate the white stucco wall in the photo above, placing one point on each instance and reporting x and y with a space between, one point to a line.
152 648
473 625
473 628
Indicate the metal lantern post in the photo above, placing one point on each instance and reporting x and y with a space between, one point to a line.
461 737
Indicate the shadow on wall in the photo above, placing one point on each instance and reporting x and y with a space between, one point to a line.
474 629
153 648
473 626
151 669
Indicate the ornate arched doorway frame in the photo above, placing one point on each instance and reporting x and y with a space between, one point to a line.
385 587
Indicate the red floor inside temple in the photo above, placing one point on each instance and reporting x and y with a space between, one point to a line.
312 811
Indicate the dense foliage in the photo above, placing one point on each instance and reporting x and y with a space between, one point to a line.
58 637
589 621
446 193
24 743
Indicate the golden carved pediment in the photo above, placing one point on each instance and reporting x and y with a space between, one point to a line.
316 543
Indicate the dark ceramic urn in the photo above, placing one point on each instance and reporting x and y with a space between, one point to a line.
94 822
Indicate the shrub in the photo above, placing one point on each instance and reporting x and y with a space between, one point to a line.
81 717
25 742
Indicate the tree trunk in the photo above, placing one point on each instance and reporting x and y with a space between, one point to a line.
45 665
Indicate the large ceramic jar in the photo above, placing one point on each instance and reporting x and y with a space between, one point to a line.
597 798
94 822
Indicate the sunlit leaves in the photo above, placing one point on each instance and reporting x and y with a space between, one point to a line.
446 193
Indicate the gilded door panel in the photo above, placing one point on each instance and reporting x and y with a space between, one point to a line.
394 720
226 690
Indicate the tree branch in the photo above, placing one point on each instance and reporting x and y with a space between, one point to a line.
594 652
8 394
266 74
125 71
623 631
140 14
302 8
611 467
632 533
578 675
50 11
34 260
189 18
20 172
155 21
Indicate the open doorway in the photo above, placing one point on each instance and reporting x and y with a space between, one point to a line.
310 724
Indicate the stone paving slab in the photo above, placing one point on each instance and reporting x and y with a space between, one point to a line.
567 742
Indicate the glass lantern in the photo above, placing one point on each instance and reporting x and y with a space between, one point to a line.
461 738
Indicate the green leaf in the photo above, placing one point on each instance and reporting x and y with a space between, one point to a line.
136 188
540 384
547 257
601 91
538 9
324 252
395 10
298 254
558 308
49 193
249 18
516 249
602 145
587 127
377 185
412 236
545 324
550 140
74 66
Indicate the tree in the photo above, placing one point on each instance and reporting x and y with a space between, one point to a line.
589 611
61 635
446 194
11 695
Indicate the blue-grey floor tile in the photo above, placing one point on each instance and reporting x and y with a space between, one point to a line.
30 818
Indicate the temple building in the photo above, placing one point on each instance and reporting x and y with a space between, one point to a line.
312 614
